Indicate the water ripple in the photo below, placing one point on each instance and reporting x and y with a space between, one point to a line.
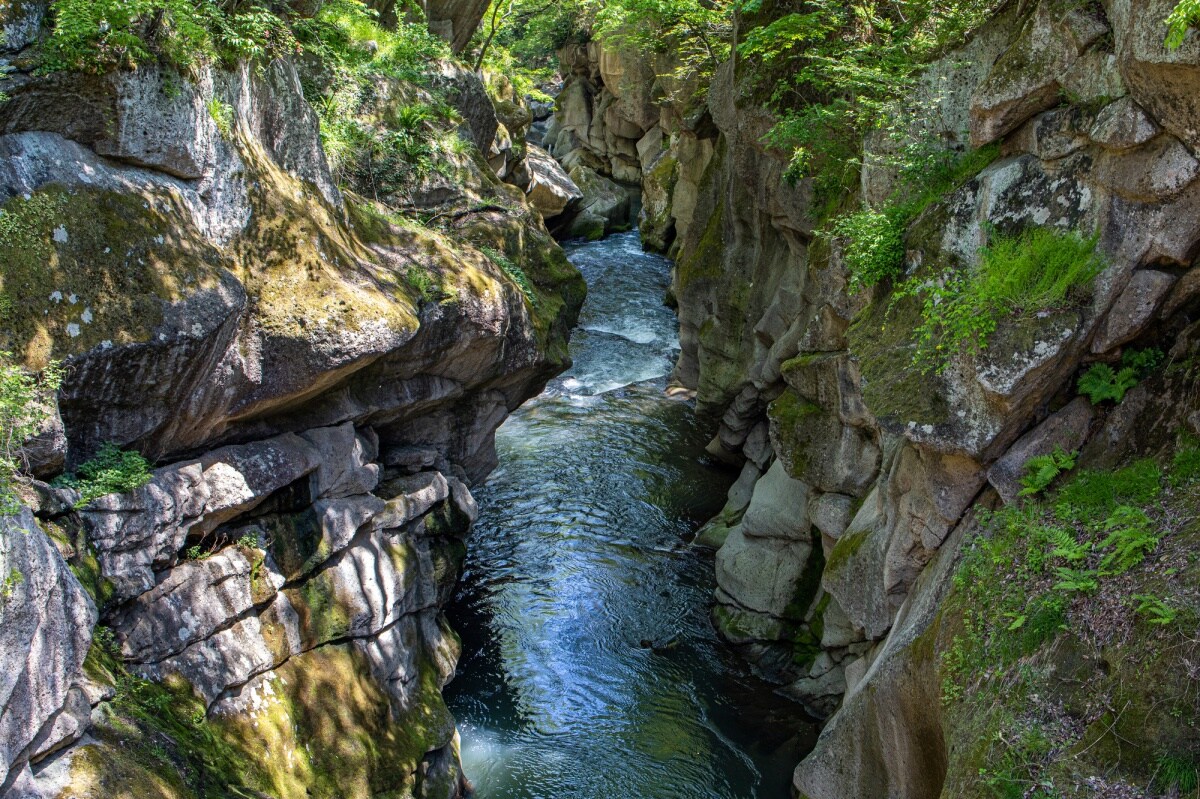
590 670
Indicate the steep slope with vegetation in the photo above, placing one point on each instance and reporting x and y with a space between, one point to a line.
265 299
934 260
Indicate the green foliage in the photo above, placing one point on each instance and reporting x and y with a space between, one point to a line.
1155 610
1143 362
25 401
9 584
1184 17
1018 276
834 72
874 245
222 114
514 273
1041 470
1185 465
95 35
1101 384
1079 581
695 32
1130 536
355 51
1064 545
873 240
112 471
1178 772
1093 495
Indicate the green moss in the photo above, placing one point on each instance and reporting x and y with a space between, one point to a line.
88 266
845 549
704 261
881 337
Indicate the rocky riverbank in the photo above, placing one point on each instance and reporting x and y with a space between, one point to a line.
865 477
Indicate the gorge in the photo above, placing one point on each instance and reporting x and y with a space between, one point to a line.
907 509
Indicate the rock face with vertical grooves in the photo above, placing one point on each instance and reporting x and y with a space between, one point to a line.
862 475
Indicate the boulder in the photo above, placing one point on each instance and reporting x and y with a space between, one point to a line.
761 574
1024 81
1134 309
550 190
778 508
1067 428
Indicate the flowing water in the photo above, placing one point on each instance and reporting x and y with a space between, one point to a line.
590 669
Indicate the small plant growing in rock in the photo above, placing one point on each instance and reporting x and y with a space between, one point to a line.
1041 470
222 115
112 471
25 399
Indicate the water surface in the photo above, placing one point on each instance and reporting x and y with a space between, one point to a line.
579 560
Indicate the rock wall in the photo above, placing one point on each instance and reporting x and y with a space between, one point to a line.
609 127
319 383
861 474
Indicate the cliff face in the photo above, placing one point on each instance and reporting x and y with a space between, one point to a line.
319 381
864 477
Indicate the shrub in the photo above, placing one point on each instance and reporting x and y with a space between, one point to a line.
25 398
222 115
112 471
1017 276
94 35
873 240
874 245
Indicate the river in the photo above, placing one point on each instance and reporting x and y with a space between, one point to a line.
589 668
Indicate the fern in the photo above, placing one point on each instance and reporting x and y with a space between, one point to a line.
1143 362
1065 546
1155 610
1083 581
1100 383
1041 470
1131 538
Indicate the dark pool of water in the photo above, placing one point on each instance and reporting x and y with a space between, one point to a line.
580 555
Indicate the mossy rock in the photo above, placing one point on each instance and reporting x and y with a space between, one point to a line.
87 268
898 391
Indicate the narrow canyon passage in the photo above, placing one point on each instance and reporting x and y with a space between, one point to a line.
590 669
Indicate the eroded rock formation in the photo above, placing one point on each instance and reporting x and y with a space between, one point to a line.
320 383
862 475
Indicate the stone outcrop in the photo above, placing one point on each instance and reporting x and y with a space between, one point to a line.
608 132
861 474
319 383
